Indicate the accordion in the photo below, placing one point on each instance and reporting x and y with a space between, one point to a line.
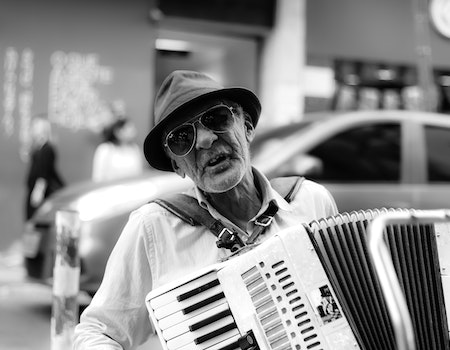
314 287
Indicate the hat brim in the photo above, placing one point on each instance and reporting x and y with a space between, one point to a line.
153 145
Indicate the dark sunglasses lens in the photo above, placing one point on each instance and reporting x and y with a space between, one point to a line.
218 119
181 139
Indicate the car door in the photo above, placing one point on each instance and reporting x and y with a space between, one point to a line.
363 166
434 192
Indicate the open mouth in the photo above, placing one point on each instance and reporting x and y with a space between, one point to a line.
217 160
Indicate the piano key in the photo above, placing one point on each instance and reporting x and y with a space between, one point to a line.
227 344
218 343
203 303
175 306
209 320
215 333
187 323
198 290
192 337
171 295
179 317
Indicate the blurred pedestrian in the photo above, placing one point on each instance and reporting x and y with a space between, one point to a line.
43 179
118 156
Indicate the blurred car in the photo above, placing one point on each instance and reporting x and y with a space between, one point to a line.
370 159
103 210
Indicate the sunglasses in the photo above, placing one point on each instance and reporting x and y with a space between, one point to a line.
181 140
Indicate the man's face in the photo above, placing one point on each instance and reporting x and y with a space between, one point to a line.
218 161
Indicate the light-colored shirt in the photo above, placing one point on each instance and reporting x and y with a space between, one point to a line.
157 247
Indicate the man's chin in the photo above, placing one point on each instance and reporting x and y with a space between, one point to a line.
222 181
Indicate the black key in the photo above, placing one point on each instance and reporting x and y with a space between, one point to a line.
209 320
197 290
215 333
202 303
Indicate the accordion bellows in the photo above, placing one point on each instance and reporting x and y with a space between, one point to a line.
341 243
310 287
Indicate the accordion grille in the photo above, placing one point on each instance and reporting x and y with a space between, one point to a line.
342 246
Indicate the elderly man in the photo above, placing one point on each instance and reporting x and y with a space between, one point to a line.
203 131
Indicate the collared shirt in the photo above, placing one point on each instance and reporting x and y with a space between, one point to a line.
157 247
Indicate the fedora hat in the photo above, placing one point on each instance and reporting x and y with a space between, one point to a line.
179 92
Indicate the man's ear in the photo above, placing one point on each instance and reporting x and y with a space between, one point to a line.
249 130
177 169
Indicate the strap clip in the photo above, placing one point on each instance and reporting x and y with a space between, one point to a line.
264 220
229 240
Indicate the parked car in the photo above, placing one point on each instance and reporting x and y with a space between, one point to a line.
369 159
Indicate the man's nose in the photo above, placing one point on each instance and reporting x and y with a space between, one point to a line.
205 137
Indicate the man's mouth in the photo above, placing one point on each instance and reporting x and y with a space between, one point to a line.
217 160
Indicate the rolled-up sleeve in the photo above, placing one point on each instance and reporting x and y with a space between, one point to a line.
117 317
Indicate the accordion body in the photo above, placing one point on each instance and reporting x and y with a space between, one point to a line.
310 287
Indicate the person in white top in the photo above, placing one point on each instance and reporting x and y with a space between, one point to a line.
119 156
203 131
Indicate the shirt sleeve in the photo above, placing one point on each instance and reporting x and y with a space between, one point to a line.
316 200
332 208
327 200
117 317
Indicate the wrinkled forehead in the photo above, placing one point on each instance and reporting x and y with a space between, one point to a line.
193 111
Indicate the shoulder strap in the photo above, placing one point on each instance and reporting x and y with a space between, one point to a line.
287 187
187 208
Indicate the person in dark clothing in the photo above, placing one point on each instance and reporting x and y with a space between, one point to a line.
43 179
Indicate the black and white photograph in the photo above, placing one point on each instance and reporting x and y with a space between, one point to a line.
151 147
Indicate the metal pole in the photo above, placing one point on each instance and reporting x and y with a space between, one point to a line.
66 277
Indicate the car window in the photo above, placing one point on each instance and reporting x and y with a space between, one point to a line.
438 153
369 153
268 138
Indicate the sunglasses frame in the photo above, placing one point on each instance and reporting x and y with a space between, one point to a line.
192 122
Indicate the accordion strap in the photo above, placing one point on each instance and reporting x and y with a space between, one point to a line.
187 208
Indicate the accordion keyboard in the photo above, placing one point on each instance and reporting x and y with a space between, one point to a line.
276 295
196 315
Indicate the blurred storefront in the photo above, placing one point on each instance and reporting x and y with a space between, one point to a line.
379 85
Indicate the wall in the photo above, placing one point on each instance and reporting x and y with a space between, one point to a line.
228 59
71 58
375 30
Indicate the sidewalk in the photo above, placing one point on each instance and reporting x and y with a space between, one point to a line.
25 308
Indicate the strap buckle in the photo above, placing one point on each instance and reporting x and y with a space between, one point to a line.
264 220
229 239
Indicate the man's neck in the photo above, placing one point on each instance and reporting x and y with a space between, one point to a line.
241 203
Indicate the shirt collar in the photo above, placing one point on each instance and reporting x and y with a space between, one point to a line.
267 192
